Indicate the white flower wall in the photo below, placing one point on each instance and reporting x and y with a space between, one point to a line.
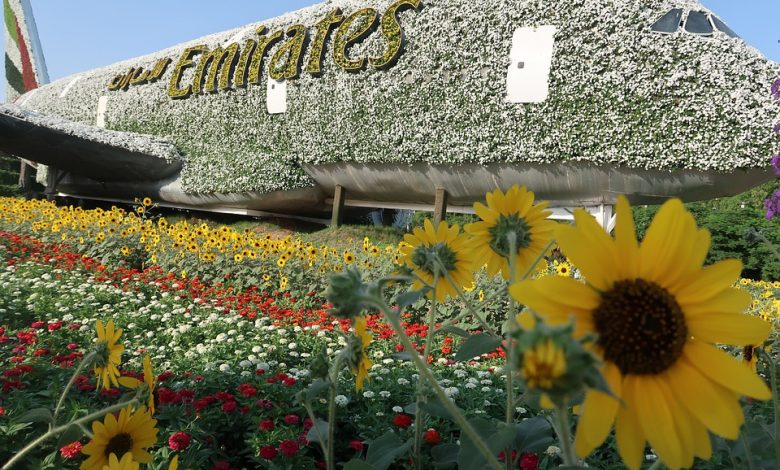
619 95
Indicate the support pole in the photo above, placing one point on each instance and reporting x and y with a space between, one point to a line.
338 206
440 206
25 177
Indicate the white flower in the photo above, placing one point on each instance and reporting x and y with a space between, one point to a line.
403 381
368 394
552 451
451 392
384 394
224 368
398 409
341 400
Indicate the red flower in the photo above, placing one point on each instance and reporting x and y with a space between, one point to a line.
264 404
529 461
54 326
71 451
289 381
247 390
221 465
292 420
402 420
268 452
289 447
164 376
432 437
267 425
179 441
356 444
229 406
38 324
259 372
72 346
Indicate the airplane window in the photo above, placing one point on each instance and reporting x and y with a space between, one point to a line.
723 28
669 23
698 23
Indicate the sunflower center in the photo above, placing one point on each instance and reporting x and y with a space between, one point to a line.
641 327
499 234
432 259
119 445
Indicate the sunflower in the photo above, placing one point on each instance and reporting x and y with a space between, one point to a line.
127 462
147 202
349 258
149 380
656 312
513 212
363 363
562 268
109 354
131 433
439 251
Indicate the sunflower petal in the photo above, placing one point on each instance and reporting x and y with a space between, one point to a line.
625 240
629 435
595 261
655 417
711 281
557 298
730 300
729 328
723 369
706 401
598 414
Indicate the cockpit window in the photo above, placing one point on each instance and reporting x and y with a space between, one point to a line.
698 23
723 28
669 22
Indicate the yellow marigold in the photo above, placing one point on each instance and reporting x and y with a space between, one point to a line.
658 315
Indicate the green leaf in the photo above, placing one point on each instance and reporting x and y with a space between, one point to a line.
436 408
477 345
36 415
312 391
445 455
534 435
357 464
454 330
73 433
319 429
496 435
408 298
383 451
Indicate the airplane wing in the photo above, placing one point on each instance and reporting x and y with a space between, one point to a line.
99 154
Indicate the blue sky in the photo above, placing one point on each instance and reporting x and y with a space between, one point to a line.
80 35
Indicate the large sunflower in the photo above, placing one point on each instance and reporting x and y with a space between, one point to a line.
125 463
657 314
513 212
149 381
439 251
109 354
131 433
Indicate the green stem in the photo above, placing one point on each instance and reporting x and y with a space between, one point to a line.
418 414
313 418
775 398
330 457
510 357
59 429
656 465
84 362
564 435
425 372
748 452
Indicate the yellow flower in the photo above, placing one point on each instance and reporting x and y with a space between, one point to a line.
481 295
513 212
125 251
147 202
238 257
349 258
127 462
174 465
283 283
109 354
140 210
443 252
563 269
364 363
543 365
100 237
149 380
131 433
657 314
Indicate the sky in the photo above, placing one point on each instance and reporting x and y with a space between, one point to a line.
80 35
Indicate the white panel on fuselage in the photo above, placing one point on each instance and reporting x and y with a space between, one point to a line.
276 96
528 80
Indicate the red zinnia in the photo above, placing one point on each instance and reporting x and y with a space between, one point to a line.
529 461
268 452
71 451
432 437
292 420
229 406
289 447
179 441
356 444
402 421
267 425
